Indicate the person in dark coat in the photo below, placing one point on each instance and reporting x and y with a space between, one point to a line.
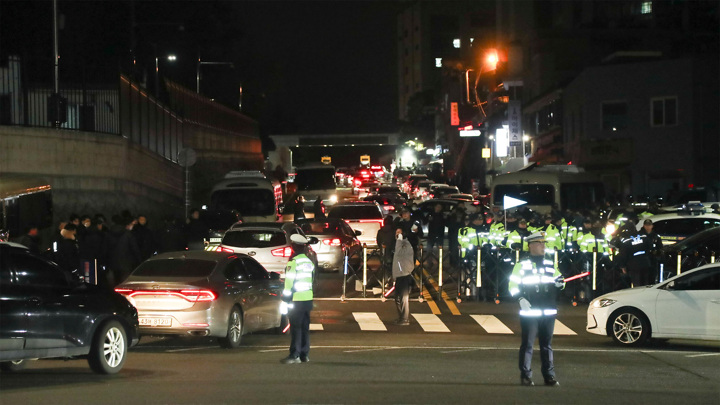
126 254
31 239
67 254
299 208
386 240
436 227
196 230
411 229
402 267
144 237
319 208
172 237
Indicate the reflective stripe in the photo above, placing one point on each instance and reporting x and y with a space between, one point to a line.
302 286
287 293
531 312
642 252
549 311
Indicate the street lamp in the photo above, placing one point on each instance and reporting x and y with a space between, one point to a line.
197 73
170 58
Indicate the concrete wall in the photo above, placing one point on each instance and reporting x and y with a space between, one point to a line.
94 173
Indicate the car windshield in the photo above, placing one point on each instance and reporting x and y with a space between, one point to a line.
175 268
254 238
315 179
248 201
355 212
320 228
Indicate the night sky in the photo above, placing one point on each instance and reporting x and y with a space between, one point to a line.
305 66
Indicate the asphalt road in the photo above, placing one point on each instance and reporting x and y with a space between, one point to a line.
401 364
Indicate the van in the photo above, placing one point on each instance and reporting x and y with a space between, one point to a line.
316 180
570 187
255 197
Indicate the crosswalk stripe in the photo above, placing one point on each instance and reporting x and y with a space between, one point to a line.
430 323
369 321
316 326
491 324
561 329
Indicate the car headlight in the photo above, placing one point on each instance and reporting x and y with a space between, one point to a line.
602 303
333 198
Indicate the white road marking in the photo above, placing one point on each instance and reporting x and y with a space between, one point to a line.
316 326
704 354
491 324
369 321
561 329
430 323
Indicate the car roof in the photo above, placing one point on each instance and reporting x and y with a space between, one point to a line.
195 255
14 245
262 225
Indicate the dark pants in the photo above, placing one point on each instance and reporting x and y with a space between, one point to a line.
402 297
542 327
434 240
639 270
299 316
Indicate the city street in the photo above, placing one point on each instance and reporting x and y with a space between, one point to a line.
351 363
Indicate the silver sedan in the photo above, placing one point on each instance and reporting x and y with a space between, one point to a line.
199 293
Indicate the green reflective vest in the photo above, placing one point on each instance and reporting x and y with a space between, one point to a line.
299 278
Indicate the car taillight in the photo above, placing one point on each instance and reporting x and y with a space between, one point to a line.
390 208
282 252
224 249
332 242
188 295
379 221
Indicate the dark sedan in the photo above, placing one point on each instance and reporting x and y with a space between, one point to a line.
335 239
48 312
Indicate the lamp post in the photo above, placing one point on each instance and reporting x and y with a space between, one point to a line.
170 58
197 72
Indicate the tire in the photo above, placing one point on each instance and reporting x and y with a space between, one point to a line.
629 327
234 330
109 349
13 366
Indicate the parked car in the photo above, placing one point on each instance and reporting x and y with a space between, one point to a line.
266 242
686 306
198 293
363 216
442 191
677 226
335 238
363 189
47 312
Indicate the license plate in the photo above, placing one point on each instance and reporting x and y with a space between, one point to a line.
159 322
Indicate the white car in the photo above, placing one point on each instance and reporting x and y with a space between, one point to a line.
675 227
686 306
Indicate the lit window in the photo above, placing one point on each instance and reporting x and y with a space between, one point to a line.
646 7
456 43
438 62
664 111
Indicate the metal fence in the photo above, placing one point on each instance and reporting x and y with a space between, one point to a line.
116 106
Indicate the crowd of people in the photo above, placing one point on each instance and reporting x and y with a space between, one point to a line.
116 246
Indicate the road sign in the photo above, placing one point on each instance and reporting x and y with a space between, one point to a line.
454 117
515 123
510 202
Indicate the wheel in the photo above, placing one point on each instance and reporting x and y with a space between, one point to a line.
234 331
12 366
629 327
109 349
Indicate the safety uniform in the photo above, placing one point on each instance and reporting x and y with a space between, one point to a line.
569 234
553 239
298 294
634 257
534 279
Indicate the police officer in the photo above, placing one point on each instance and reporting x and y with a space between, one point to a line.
654 242
536 282
298 300
634 256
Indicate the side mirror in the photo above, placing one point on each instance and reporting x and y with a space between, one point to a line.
313 240
357 232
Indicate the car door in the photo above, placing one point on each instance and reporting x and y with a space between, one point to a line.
242 290
52 311
13 311
689 306
260 279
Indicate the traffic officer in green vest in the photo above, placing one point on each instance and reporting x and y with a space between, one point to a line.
298 300
516 238
552 235
591 239
535 281
497 230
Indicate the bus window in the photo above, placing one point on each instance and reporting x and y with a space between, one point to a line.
578 196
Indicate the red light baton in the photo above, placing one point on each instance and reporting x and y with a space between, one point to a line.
389 291
575 277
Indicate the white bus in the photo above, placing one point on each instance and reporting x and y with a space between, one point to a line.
316 180
543 186
250 193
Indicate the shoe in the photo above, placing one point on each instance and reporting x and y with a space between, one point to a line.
526 381
290 360
552 382
304 359
401 322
